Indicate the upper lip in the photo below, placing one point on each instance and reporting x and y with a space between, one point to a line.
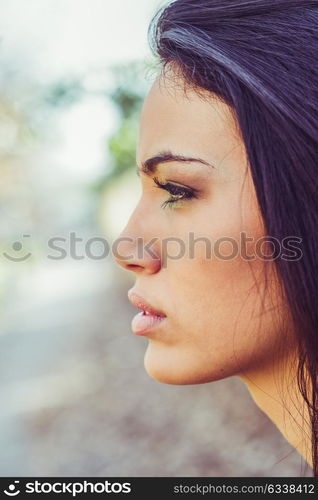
138 301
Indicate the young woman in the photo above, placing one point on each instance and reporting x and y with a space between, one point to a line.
224 240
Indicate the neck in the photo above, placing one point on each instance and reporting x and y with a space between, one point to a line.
275 391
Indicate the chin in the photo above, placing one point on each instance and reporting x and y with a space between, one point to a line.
167 376
176 369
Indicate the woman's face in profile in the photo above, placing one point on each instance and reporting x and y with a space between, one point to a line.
218 321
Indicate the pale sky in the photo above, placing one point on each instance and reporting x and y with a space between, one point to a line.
50 38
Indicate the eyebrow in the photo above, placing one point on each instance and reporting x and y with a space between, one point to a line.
150 165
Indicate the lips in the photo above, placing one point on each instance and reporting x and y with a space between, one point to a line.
148 318
138 301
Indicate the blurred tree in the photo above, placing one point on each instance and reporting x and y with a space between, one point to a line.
64 93
122 147
131 82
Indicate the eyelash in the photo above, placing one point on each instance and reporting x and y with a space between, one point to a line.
182 193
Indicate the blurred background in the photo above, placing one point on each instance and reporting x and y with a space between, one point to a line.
75 399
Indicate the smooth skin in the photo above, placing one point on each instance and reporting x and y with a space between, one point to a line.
221 319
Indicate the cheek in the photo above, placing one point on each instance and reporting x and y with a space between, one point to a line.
218 327
220 269
221 320
215 294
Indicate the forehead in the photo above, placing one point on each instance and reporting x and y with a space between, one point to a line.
176 117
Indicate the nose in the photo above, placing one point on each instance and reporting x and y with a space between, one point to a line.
136 250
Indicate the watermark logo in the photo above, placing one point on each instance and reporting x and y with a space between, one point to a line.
12 489
17 252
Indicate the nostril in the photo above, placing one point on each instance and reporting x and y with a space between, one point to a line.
132 266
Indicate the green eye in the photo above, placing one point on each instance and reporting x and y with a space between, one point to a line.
177 193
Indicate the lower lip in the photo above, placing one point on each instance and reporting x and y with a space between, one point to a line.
144 323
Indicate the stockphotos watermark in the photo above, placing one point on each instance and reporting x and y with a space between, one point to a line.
66 487
125 248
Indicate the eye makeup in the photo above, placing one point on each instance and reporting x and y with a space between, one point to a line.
177 192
